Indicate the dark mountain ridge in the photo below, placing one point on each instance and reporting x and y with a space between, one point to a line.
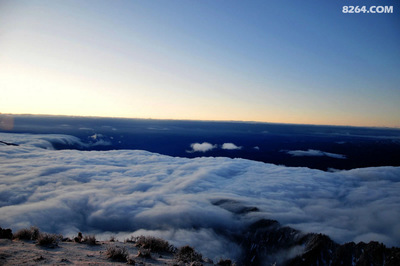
266 242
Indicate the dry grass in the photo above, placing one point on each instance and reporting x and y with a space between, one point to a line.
146 246
89 239
32 233
50 240
43 239
154 244
117 253
23 234
187 254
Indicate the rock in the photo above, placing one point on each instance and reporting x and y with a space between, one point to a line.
264 240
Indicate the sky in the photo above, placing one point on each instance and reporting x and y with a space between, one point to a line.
302 62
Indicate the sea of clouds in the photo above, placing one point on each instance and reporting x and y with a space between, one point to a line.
125 192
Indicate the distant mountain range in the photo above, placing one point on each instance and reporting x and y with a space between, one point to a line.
327 148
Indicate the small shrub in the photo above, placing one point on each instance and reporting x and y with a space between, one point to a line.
187 254
117 253
154 244
23 234
35 233
90 240
27 234
51 240
6 233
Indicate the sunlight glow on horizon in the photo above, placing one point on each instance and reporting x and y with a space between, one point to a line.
197 61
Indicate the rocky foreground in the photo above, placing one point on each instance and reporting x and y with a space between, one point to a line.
34 248
265 242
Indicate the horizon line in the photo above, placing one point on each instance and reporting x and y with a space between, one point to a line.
201 120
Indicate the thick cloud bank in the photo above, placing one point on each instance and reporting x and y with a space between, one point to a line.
311 152
47 141
187 200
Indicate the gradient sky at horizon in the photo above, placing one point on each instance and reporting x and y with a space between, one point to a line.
272 61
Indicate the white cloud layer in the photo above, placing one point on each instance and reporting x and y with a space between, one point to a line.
202 147
230 146
128 191
311 152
